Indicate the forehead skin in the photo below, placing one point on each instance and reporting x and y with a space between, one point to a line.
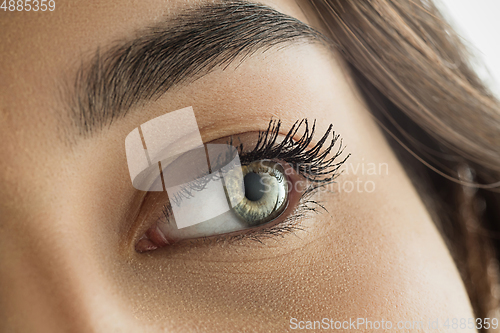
67 261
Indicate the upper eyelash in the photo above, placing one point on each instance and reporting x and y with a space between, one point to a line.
313 164
318 167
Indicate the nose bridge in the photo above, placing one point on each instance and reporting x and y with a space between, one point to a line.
51 284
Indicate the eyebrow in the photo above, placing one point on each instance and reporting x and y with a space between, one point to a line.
180 50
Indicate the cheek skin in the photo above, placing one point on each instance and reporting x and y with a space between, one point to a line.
374 255
64 223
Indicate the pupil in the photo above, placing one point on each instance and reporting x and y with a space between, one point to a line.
254 189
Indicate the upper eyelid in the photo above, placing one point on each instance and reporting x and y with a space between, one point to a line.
272 133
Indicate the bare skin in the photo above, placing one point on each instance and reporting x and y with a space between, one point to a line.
67 255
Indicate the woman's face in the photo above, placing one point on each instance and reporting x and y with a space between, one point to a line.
69 214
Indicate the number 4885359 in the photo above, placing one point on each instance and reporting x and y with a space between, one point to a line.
28 5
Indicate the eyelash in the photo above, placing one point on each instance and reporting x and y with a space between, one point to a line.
316 165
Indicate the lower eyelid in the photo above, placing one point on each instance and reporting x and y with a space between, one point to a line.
155 238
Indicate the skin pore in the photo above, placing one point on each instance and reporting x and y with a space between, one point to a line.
67 226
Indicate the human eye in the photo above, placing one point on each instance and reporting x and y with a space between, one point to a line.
255 193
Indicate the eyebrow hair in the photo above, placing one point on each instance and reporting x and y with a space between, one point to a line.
180 50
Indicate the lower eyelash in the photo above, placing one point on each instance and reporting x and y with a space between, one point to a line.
290 225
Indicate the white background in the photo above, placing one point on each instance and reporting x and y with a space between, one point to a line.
478 22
